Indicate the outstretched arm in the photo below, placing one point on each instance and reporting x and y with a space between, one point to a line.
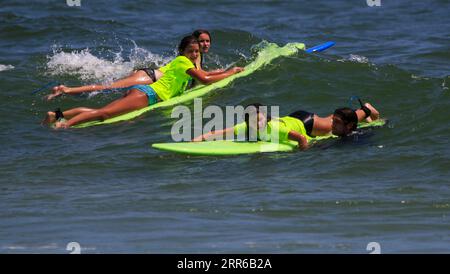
216 71
207 78
211 135
295 136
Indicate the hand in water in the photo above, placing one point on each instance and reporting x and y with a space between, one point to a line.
57 91
237 69
61 124
303 146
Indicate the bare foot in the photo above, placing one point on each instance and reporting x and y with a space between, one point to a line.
374 113
49 118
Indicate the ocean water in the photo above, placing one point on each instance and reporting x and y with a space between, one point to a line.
108 190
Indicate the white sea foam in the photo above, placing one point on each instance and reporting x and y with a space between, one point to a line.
88 67
358 58
6 67
44 247
444 85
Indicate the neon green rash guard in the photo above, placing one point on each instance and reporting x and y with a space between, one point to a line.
283 125
175 78
164 68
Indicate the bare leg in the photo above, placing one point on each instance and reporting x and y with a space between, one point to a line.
75 111
51 116
374 115
133 100
138 77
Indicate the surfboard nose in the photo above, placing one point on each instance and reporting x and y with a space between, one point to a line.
299 46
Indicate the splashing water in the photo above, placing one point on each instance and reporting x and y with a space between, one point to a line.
88 67
358 58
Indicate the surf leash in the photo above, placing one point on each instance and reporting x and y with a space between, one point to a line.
354 97
53 83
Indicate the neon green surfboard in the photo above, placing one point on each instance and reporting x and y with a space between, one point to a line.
264 57
221 148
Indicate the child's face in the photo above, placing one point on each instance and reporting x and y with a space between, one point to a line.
192 51
205 42
261 121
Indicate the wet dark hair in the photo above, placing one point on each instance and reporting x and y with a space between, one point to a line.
185 42
348 116
247 118
199 32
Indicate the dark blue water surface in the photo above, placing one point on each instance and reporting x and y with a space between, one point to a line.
107 189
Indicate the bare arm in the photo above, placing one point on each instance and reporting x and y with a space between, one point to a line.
205 78
295 136
211 135
216 71
213 72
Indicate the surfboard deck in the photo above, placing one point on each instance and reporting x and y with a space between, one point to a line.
222 148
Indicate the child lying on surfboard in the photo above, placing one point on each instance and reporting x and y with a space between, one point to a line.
174 81
144 76
300 126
